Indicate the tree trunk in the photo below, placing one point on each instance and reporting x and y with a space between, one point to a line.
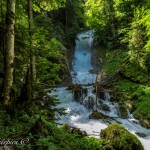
32 56
9 52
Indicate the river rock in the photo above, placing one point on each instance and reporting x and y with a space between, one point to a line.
97 115
140 134
105 107
134 121
89 102
77 90
118 138
101 95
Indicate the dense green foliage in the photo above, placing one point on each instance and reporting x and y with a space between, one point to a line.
52 36
132 86
43 134
122 28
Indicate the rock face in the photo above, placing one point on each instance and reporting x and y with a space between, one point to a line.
119 138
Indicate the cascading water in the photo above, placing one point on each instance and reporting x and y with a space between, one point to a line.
77 114
82 59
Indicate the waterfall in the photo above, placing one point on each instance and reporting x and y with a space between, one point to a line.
82 59
77 114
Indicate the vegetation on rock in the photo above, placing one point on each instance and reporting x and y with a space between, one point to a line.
119 138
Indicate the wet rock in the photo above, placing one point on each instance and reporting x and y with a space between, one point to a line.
119 138
85 91
105 107
101 95
97 115
140 134
100 101
77 90
89 103
134 121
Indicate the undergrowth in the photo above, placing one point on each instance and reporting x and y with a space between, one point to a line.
133 85
39 132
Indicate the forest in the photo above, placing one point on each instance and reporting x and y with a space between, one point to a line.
38 41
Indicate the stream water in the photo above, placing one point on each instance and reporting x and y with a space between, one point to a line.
78 111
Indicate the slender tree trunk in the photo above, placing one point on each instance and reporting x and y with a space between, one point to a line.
32 56
9 52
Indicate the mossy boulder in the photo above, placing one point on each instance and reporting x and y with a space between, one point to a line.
105 107
120 139
97 115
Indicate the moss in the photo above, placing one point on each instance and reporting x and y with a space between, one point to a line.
120 139
97 115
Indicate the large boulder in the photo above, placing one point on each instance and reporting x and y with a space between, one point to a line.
119 138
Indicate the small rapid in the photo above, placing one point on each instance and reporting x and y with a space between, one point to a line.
78 110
